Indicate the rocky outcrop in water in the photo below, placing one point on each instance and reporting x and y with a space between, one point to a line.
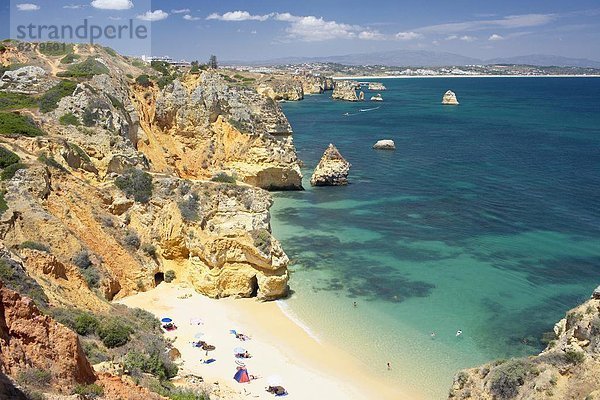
449 98
385 144
281 89
377 86
345 90
332 170
567 369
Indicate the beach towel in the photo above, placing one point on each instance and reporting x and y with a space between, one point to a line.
209 361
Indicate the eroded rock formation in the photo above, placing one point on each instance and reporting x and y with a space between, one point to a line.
332 170
449 98
385 144
345 90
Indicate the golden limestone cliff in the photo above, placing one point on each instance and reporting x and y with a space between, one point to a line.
137 177
569 367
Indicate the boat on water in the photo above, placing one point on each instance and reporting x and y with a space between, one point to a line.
377 97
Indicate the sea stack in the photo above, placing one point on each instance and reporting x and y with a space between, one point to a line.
345 90
385 144
450 98
332 170
376 86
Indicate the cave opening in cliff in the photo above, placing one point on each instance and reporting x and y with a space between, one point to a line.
254 286
158 278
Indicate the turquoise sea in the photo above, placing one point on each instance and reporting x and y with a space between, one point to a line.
485 219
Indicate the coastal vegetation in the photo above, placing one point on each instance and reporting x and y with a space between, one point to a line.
49 100
13 101
19 125
136 184
85 69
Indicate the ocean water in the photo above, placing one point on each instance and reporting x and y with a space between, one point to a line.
485 219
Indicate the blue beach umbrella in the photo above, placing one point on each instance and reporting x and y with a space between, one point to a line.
198 335
166 320
239 350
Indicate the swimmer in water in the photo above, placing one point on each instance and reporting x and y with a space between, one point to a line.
458 333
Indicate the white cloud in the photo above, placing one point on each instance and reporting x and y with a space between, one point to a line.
74 6
496 37
306 28
467 38
155 15
408 36
112 4
509 22
181 11
188 17
371 35
254 32
27 7
115 18
237 16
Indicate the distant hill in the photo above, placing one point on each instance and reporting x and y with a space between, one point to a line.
422 58
546 60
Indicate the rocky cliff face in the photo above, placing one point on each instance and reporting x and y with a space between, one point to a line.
345 90
569 368
215 235
199 126
332 169
29 340
293 87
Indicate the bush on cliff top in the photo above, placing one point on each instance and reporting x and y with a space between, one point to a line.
223 178
15 278
49 100
34 246
143 80
509 377
10 171
17 124
136 184
7 157
16 100
69 119
85 69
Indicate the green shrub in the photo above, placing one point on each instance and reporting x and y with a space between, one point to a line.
82 259
35 377
86 69
262 240
170 276
2 48
34 246
135 183
113 333
16 100
138 63
129 76
49 100
509 377
110 51
50 161
164 81
80 152
155 363
188 207
14 277
574 357
90 391
223 178
10 171
17 124
548 337
3 204
92 277
69 119
143 80
95 352
70 58
161 66
86 324
55 48
7 157
132 240
149 249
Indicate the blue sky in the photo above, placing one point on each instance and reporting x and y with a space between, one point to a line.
263 29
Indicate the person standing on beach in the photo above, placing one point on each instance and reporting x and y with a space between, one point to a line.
389 366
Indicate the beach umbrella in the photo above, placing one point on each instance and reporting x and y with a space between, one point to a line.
242 375
198 335
166 320
239 350
274 380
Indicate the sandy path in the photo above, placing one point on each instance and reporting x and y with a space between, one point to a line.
308 369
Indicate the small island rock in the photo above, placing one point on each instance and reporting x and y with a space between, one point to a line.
332 170
385 144
449 98
345 90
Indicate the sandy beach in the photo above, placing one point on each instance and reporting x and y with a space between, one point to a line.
307 368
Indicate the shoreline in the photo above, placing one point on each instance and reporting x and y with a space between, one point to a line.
458 76
281 345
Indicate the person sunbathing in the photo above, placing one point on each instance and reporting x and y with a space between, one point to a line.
243 355
169 327
242 337
277 390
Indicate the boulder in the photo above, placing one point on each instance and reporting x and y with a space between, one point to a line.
385 144
596 293
26 80
376 86
332 170
450 98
